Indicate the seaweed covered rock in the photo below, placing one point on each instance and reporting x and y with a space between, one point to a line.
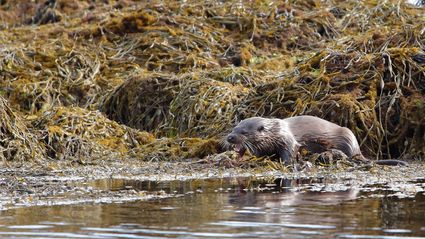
142 102
170 149
177 37
78 134
193 69
17 143
204 107
37 78
46 13
378 96
202 103
160 43
39 12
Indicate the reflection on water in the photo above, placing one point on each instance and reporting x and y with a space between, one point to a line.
227 208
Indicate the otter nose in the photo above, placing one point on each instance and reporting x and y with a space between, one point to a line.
231 138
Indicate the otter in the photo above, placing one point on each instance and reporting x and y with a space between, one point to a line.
282 138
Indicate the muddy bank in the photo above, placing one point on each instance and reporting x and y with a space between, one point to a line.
57 184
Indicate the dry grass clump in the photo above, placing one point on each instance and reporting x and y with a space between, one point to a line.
78 134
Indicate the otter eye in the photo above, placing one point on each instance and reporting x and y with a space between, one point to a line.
244 132
260 128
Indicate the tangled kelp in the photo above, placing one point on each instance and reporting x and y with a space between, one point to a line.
177 149
193 104
35 80
361 91
193 68
16 141
351 84
148 100
78 134
19 12
158 47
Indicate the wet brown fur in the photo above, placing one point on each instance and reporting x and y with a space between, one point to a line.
281 138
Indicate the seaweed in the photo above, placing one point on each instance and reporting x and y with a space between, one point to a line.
17 142
74 133
171 149
186 72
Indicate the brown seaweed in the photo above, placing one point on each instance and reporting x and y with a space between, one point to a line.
191 70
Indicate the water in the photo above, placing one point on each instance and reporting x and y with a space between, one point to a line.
227 208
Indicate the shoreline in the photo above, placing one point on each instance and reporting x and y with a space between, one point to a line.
30 186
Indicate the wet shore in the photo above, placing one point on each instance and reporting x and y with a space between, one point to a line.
56 184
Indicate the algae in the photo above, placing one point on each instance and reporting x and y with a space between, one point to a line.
73 133
188 71
17 142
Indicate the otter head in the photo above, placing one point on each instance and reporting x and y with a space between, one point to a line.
249 134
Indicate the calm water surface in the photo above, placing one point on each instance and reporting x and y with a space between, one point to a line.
225 208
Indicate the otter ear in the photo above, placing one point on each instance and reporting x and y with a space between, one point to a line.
260 128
